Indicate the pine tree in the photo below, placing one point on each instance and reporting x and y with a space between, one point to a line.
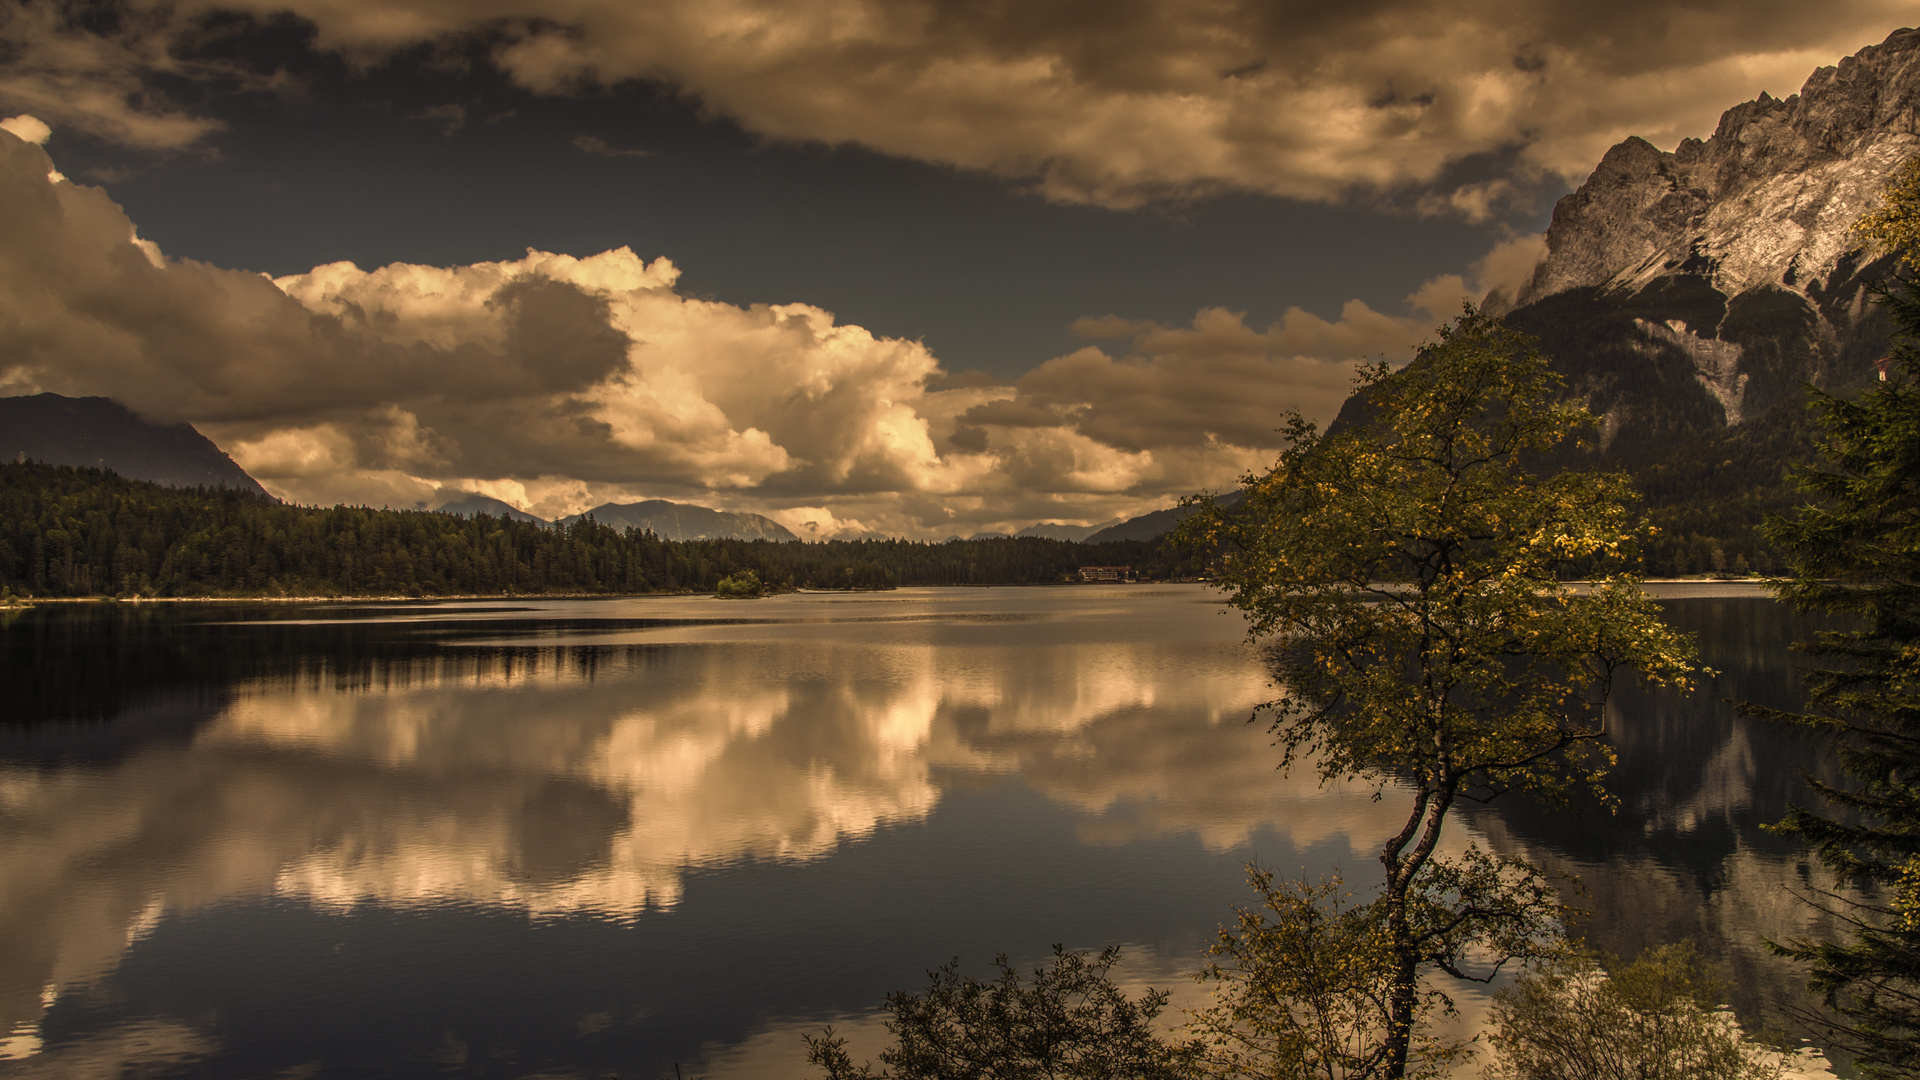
1854 551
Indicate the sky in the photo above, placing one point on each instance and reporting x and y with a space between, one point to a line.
867 267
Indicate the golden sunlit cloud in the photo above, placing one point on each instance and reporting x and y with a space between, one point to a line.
566 382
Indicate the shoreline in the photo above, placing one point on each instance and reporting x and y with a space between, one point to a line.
1668 588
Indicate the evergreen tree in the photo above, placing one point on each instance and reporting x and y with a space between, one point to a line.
1854 551
86 532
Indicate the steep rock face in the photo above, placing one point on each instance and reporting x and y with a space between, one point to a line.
1691 290
1768 198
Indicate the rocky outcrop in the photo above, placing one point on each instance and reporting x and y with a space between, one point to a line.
1684 292
1715 363
1769 198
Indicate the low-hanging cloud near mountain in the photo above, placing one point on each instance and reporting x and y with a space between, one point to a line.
1109 104
558 383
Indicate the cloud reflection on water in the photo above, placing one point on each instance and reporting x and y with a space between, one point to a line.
591 779
573 772
561 795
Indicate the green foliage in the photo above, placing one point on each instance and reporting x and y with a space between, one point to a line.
84 532
1408 570
1654 1019
744 585
1895 226
1069 1023
1854 550
1305 984
1303 987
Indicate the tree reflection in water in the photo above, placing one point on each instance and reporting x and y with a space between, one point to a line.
557 833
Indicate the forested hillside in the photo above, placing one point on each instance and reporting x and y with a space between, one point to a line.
1708 494
86 532
99 432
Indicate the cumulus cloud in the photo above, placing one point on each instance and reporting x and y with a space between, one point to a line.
1500 273
27 128
556 383
1114 106
1221 386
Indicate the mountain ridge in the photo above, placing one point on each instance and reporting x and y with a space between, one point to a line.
1770 197
1692 291
1157 523
684 521
470 504
1054 530
101 433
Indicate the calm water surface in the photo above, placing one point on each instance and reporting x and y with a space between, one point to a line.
592 838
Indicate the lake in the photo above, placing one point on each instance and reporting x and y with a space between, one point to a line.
666 836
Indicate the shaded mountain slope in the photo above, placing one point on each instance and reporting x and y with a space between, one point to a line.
470 505
1156 524
101 433
1689 292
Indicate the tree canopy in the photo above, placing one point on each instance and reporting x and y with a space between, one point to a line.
1407 571
68 532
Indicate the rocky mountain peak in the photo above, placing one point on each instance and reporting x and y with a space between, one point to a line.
1690 291
1768 199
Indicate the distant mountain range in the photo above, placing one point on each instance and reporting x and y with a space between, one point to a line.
98 432
1053 530
679 521
101 433
1155 524
470 505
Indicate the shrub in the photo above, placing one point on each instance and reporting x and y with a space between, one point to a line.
1069 1023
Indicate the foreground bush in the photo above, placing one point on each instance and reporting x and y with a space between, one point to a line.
1069 1023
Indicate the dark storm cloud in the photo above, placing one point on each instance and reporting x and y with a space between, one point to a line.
98 69
181 339
1111 103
